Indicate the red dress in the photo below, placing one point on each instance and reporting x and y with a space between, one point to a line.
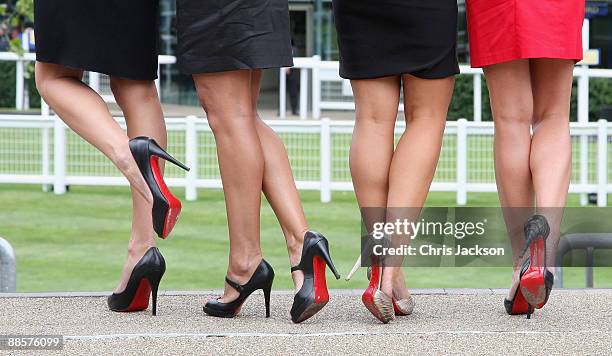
505 30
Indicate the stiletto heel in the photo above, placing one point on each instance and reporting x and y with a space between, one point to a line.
354 269
262 279
144 281
533 284
166 207
313 295
156 150
529 311
267 292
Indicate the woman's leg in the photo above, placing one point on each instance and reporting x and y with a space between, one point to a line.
376 103
551 153
85 112
279 186
512 107
227 99
144 117
416 157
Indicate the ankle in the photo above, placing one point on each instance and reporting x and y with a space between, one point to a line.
295 244
137 248
121 156
241 270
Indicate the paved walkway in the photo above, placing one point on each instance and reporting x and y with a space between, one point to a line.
444 322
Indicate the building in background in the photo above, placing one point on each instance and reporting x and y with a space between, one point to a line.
314 33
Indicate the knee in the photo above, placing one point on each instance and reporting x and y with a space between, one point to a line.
518 115
138 90
229 122
551 117
434 116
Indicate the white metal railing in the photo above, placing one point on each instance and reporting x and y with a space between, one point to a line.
93 77
42 150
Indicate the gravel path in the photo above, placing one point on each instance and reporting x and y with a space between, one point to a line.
444 322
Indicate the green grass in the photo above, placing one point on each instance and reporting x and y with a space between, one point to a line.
77 241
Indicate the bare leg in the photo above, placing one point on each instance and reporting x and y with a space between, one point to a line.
85 112
376 103
512 106
279 186
551 80
416 155
142 110
227 99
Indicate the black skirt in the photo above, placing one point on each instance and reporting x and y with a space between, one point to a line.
391 37
224 35
114 37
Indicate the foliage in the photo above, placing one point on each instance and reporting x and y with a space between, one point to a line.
462 105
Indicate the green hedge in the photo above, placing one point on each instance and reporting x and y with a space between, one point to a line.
7 86
462 103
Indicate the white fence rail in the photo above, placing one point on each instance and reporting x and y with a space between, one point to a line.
39 150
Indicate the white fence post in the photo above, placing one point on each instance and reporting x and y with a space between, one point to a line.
602 163
461 162
303 93
94 81
477 98
583 113
158 80
19 84
282 93
46 157
325 157
316 88
59 157
191 158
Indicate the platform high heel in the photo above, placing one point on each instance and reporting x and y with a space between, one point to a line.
313 295
166 207
536 281
144 281
262 279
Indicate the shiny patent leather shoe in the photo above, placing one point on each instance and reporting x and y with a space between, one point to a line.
166 207
313 295
536 280
262 279
144 281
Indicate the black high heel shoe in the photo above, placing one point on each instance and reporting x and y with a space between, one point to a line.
262 279
313 295
166 207
143 282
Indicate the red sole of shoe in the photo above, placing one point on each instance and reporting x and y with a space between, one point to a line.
368 296
141 298
532 281
174 205
321 295
520 305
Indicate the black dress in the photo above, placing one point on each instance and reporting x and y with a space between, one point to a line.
224 35
380 38
114 37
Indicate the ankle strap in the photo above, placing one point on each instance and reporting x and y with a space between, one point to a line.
296 268
234 285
